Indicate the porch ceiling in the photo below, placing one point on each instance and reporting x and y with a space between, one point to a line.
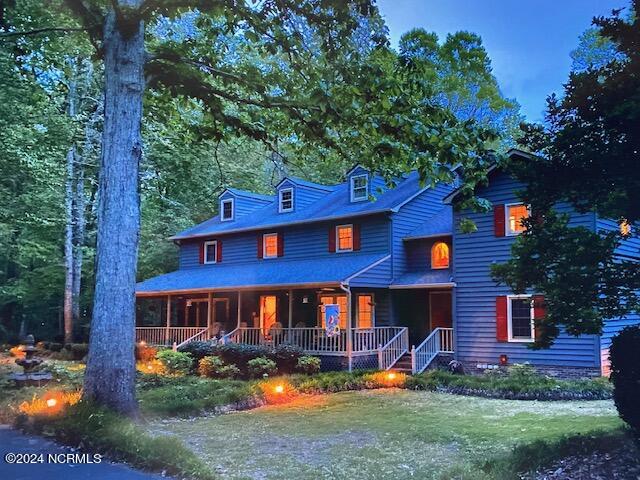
330 270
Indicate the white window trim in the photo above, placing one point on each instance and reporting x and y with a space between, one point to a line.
215 249
507 227
264 245
280 208
233 209
352 189
343 250
509 324
431 255
373 309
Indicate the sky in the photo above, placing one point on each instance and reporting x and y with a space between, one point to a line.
528 41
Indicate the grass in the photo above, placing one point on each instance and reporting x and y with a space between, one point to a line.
383 434
100 431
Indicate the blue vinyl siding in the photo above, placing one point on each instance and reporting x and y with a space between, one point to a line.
628 250
409 217
378 276
303 196
302 241
475 314
243 205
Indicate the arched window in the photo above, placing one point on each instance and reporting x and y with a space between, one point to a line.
440 255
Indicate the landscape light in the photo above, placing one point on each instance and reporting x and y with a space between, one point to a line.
391 376
52 402
278 389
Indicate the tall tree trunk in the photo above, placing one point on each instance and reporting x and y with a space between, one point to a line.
79 212
69 214
110 374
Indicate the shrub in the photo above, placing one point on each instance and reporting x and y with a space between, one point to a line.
286 357
214 367
261 366
625 375
78 350
239 354
198 350
308 364
55 347
176 363
145 353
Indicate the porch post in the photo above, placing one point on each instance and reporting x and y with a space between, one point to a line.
349 332
209 312
166 332
290 309
239 308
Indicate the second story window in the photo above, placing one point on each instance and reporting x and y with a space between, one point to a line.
515 214
211 252
440 255
344 238
226 210
270 245
359 188
286 200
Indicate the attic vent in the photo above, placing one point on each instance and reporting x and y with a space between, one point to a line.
359 188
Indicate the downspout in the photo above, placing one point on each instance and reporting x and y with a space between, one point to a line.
345 287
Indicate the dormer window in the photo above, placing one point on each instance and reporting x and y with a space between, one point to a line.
226 210
285 200
359 188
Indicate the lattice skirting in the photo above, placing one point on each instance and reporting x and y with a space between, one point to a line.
331 363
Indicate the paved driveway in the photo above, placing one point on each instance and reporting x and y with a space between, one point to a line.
12 441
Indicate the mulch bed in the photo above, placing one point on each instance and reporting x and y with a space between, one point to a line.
622 464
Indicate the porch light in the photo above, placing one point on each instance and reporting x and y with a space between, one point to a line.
504 359
305 299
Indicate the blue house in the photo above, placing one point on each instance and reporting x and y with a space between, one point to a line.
408 286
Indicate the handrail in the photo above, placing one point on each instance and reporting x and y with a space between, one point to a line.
193 338
440 340
394 349
227 337
164 336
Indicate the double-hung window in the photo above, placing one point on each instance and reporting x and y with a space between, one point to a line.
285 200
226 209
359 188
270 245
520 314
515 214
211 252
344 238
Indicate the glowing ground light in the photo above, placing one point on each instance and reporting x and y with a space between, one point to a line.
52 402
391 376
278 389
142 343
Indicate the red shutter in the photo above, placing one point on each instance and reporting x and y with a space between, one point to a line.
201 247
280 244
539 312
498 220
219 251
502 332
332 239
260 246
356 236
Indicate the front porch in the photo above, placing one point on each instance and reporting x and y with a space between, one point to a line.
290 317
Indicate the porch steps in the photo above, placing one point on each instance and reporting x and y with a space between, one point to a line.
403 364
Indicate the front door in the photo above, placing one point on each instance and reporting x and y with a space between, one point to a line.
268 312
440 310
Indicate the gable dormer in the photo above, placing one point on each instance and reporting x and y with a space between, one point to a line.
358 180
235 203
295 194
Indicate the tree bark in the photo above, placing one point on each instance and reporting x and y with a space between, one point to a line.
69 213
110 373
78 242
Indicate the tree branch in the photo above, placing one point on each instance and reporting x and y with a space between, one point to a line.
39 31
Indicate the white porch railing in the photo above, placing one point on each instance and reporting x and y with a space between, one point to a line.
315 339
167 336
439 340
390 353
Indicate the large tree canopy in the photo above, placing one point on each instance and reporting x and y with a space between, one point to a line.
589 152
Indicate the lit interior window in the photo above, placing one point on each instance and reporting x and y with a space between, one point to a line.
365 311
515 215
341 301
270 245
625 228
440 255
345 238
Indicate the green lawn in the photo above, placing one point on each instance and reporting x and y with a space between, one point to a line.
380 434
